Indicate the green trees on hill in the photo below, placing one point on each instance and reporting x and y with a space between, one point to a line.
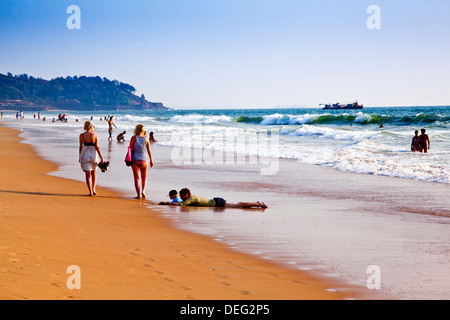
86 91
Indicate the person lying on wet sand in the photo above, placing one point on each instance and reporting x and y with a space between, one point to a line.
190 200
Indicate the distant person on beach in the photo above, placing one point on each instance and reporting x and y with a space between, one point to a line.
110 129
152 138
190 200
140 145
415 143
424 141
88 155
121 137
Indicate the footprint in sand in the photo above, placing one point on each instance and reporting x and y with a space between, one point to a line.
225 284
185 288
245 292
274 275
243 268
147 265
54 284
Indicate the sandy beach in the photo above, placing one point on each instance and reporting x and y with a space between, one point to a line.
123 249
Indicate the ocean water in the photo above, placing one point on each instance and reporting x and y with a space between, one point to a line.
347 140
343 193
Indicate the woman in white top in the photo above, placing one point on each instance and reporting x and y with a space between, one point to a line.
88 155
140 145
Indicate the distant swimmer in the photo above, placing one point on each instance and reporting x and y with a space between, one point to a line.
190 200
382 126
424 141
152 138
415 143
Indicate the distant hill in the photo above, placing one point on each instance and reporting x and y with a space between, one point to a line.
70 93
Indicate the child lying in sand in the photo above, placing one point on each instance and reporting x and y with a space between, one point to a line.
173 195
190 200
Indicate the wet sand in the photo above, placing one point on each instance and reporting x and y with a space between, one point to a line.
124 250
332 224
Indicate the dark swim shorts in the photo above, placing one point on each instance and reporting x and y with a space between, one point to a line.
219 202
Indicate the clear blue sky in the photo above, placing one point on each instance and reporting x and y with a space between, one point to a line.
239 53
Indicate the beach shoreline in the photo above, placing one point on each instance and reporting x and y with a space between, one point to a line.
124 249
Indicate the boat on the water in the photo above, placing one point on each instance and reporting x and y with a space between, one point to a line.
341 106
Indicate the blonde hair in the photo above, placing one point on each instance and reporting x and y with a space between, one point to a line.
88 125
139 129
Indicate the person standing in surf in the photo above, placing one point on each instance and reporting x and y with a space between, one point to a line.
424 141
415 143
110 128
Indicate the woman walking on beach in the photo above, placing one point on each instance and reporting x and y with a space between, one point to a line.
88 155
140 145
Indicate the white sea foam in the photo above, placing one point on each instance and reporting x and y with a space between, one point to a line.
196 118
283 119
331 133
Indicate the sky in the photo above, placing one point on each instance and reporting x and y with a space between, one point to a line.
239 53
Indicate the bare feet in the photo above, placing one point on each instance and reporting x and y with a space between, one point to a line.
143 195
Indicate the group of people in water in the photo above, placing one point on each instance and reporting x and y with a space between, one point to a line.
142 159
420 143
